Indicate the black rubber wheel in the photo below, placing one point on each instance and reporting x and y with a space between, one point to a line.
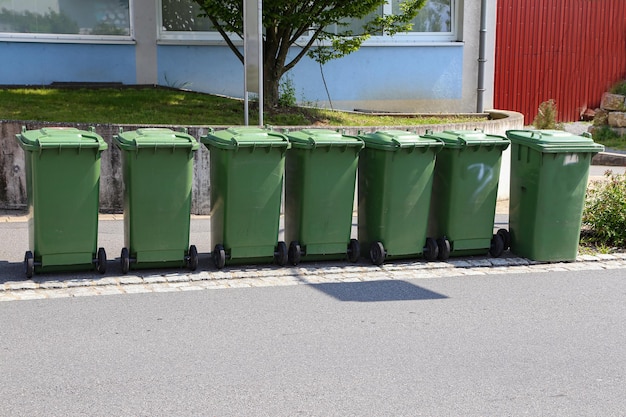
219 256
192 262
506 237
295 253
497 246
377 253
101 262
280 254
444 248
354 250
29 264
125 260
431 250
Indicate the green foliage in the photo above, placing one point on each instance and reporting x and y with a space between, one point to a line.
287 96
546 116
181 85
604 134
327 26
29 22
609 138
619 88
604 214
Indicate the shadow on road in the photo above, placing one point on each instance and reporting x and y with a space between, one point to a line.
376 291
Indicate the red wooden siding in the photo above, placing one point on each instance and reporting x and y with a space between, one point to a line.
567 50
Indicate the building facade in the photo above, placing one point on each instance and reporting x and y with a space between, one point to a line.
433 69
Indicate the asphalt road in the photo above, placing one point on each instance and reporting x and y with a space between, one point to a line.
492 345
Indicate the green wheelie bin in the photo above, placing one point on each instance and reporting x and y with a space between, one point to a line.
465 192
158 172
246 174
549 172
395 185
320 177
63 186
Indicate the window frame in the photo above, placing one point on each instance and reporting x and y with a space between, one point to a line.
74 38
400 39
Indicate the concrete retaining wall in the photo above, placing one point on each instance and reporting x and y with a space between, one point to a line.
13 179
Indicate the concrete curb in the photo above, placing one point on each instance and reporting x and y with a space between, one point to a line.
609 159
307 274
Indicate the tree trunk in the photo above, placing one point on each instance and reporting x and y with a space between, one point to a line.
271 80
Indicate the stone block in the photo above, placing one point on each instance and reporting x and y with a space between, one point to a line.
617 119
601 118
612 101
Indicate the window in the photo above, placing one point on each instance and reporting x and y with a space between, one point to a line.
434 17
435 22
182 16
80 18
180 22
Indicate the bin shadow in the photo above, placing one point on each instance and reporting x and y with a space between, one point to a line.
377 291
12 271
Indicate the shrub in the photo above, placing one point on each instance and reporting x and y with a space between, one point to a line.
287 94
619 88
604 213
546 116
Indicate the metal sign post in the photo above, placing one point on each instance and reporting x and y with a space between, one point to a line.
253 54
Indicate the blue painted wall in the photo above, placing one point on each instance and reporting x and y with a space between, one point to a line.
44 63
372 73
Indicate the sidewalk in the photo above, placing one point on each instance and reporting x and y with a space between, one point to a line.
14 286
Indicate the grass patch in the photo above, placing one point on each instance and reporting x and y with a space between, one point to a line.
166 106
609 138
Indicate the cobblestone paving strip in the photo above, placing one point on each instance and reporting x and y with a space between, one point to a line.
315 273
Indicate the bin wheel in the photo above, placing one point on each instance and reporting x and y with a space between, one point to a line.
29 264
444 248
101 262
506 237
192 259
219 256
431 251
497 246
377 253
280 254
125 260
295 253
354 250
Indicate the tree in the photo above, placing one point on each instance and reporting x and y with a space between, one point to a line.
327 25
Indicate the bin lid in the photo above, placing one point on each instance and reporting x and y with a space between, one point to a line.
153 138
317 138
60 137
394 140
245 137
554 141
466 138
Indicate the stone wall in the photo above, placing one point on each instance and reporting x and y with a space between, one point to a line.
13 178
612 112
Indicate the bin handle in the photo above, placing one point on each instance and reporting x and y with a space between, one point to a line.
403 145
255 145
